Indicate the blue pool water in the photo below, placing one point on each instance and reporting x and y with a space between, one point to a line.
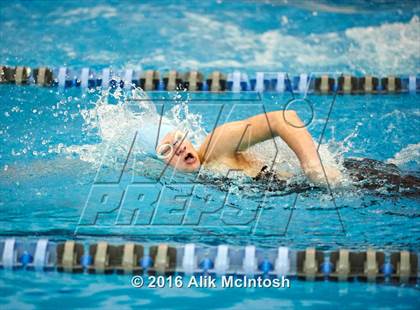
352 36
54 141
48 174
113 291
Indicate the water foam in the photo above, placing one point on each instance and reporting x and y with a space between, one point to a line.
391 47
121 120
383 49
407 155
77 15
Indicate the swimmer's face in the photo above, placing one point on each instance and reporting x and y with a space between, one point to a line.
178 152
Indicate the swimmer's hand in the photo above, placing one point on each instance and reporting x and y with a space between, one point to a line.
316 175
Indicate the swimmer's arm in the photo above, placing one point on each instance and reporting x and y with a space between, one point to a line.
234 137
293 131
288 126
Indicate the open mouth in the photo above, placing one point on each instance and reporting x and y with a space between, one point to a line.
189 158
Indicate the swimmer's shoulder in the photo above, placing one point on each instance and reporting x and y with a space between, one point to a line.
223 141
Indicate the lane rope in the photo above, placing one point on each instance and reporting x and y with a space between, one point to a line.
367 265
151 80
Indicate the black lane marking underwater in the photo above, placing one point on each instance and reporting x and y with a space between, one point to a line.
343 230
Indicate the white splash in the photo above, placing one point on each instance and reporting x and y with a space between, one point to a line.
121 120
77 15
384 49
411 153
389 47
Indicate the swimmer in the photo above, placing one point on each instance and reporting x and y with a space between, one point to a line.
227 146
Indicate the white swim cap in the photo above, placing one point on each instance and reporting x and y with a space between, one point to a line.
149 136
153 127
